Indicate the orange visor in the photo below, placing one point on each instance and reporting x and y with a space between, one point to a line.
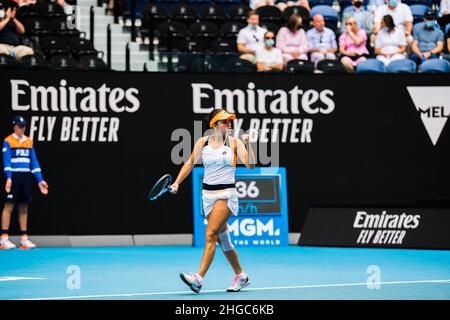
222 115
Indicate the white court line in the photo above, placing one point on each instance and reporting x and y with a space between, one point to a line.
19 278
247 289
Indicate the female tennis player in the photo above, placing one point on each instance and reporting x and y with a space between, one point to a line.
219 152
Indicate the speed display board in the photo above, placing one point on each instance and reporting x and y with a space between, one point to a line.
262 219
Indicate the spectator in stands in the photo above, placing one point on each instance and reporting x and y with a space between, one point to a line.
402 15
428 40
291 40
284 4
255 4
445 7
372 5
447 55
269 58
352 45
444 13
251 38
362 16
391 42
10 31
321 40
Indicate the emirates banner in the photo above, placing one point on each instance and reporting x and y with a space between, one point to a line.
377 227
103 138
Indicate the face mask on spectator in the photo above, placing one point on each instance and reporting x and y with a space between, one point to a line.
270 42
393 3
358 4
430 23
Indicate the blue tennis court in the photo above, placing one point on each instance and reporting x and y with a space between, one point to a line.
276 273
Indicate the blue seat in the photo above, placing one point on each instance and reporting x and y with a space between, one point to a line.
418 11
435 66
402 66
370 66
330 15
326 11
447 27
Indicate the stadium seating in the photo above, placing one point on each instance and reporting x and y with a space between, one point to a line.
330 15
194 26
269 14
36 62
401 66
435 66
212 13
370 66
7 62
55 43
418 11
300 66
236 65
331 67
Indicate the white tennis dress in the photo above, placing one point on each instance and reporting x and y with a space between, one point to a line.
218 179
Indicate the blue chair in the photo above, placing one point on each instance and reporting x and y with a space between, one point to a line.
370 66
447 27
418 11
313 3
402 66
330 15
435 66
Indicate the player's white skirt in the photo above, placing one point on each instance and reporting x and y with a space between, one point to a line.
210 196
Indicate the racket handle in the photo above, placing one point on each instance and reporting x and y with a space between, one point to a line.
171 190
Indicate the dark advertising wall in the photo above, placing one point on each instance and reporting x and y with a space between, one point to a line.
103 138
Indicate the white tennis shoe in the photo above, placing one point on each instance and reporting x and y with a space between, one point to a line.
240 281
27 244
193 280
6 244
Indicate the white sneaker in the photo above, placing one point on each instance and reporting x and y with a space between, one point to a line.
240 281
193 280
6 244
27 244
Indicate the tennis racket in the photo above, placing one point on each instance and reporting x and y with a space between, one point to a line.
161 187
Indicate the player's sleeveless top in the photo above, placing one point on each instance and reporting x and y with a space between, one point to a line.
219 164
